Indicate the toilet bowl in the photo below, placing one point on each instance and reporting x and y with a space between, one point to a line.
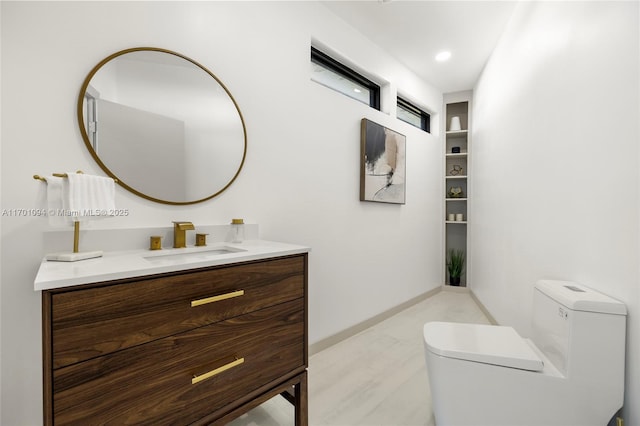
571 372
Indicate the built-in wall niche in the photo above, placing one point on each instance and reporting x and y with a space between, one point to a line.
454 210
456 178
460 110
453 185
456 166
457 139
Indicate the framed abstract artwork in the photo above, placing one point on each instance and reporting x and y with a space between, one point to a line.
382 164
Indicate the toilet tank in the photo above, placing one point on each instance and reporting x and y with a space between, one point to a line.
576 327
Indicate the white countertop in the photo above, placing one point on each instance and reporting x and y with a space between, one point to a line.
136 263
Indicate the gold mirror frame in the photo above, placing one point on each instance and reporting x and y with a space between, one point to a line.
104 167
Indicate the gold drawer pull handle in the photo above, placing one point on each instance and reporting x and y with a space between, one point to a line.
218 298
218 370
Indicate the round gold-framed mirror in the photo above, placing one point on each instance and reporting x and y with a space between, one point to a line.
163 125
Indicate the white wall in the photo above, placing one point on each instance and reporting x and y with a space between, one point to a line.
555 155
300 181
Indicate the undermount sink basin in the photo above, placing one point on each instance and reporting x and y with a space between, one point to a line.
191 256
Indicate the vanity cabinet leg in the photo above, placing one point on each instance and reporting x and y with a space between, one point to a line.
301 401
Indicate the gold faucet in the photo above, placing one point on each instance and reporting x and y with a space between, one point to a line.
180 233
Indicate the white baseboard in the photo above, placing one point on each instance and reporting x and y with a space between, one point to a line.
355 329
484 310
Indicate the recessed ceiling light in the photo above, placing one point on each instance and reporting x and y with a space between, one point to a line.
443 56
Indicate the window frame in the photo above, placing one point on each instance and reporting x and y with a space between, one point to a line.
425 117
341 69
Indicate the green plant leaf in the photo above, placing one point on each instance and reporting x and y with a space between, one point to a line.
455 262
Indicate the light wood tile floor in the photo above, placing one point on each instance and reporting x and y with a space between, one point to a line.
377 377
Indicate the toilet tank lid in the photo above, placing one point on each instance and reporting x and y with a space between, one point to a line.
488 344
577 297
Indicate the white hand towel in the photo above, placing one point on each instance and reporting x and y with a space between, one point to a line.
57 201
91 197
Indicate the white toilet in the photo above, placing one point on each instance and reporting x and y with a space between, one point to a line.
570 373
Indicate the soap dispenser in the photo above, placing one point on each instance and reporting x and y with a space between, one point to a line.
237 230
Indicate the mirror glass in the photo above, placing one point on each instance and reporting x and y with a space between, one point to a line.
163 125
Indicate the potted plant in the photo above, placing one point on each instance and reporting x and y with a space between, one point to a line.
455 266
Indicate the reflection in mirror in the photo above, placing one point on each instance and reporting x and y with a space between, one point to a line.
163 125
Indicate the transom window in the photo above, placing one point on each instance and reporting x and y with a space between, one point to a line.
413 115
330 73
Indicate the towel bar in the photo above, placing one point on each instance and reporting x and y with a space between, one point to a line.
76 229
62 175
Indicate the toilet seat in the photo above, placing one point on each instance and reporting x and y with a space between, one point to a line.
488 344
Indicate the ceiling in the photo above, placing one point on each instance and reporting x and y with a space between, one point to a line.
415 31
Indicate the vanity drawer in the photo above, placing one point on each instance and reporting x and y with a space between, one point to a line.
152 383
91 322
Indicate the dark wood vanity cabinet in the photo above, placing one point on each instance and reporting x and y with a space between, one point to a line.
192 347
